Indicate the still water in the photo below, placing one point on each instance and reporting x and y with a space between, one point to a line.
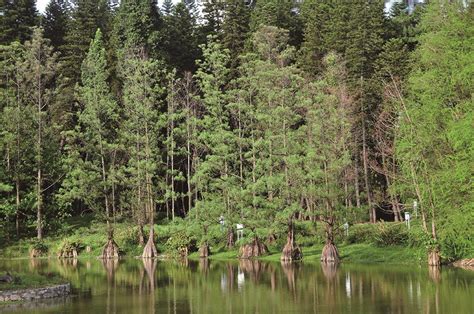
136 286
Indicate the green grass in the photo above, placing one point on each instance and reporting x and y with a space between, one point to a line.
30 281
360 247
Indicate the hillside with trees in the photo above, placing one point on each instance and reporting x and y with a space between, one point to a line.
170 126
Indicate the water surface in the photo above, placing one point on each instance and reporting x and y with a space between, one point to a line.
136 286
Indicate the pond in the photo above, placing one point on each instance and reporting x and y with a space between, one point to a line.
136 286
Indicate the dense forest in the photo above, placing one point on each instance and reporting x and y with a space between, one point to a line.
265 114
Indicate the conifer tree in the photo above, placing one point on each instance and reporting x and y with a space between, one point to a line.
179 39
17 19
139 132
56 22
167 7
434 142
92 179
282 14
235 29
212 12
40 68
17 136
137 24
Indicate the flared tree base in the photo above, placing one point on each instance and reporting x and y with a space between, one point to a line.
204 251
330 254
150 251
254 249
110 250
291 252
433 258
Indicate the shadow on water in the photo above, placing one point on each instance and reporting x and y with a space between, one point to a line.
207 286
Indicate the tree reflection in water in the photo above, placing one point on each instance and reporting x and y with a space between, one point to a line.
203 286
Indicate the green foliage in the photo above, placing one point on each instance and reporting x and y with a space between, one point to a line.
362 233
40 246
435 136
16 20
178 242
391 234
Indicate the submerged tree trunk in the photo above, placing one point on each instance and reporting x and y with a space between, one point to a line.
291 252
111 249
433 257
204 250
330 253
150 249
254 249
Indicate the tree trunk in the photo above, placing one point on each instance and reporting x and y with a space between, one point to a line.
330 253
204 251
373 218
291 252
230 238
111 249
141 235
17 218
254 249
150 249
433 257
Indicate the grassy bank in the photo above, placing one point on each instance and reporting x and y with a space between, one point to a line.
350 253
30 281
366 243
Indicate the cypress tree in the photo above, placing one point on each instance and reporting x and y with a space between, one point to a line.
91 179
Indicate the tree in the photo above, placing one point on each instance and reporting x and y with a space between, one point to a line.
213 178
179 39
56 21
16 20
167 7
87 17
139 132
235 29
41 66
137 24
212 12
434 141
282 14
93 144
17 136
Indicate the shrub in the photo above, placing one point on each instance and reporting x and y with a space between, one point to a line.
179 243
362 233
391 234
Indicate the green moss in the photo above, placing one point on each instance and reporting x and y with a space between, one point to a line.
30 281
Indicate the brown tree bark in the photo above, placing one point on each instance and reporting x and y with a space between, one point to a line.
291 252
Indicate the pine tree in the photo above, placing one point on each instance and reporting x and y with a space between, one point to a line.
92 179
137 24
16 20
40 68
17 137
139 132
56 21
167 7
179 39
213 15
282 14
235 29
213 177
87 17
